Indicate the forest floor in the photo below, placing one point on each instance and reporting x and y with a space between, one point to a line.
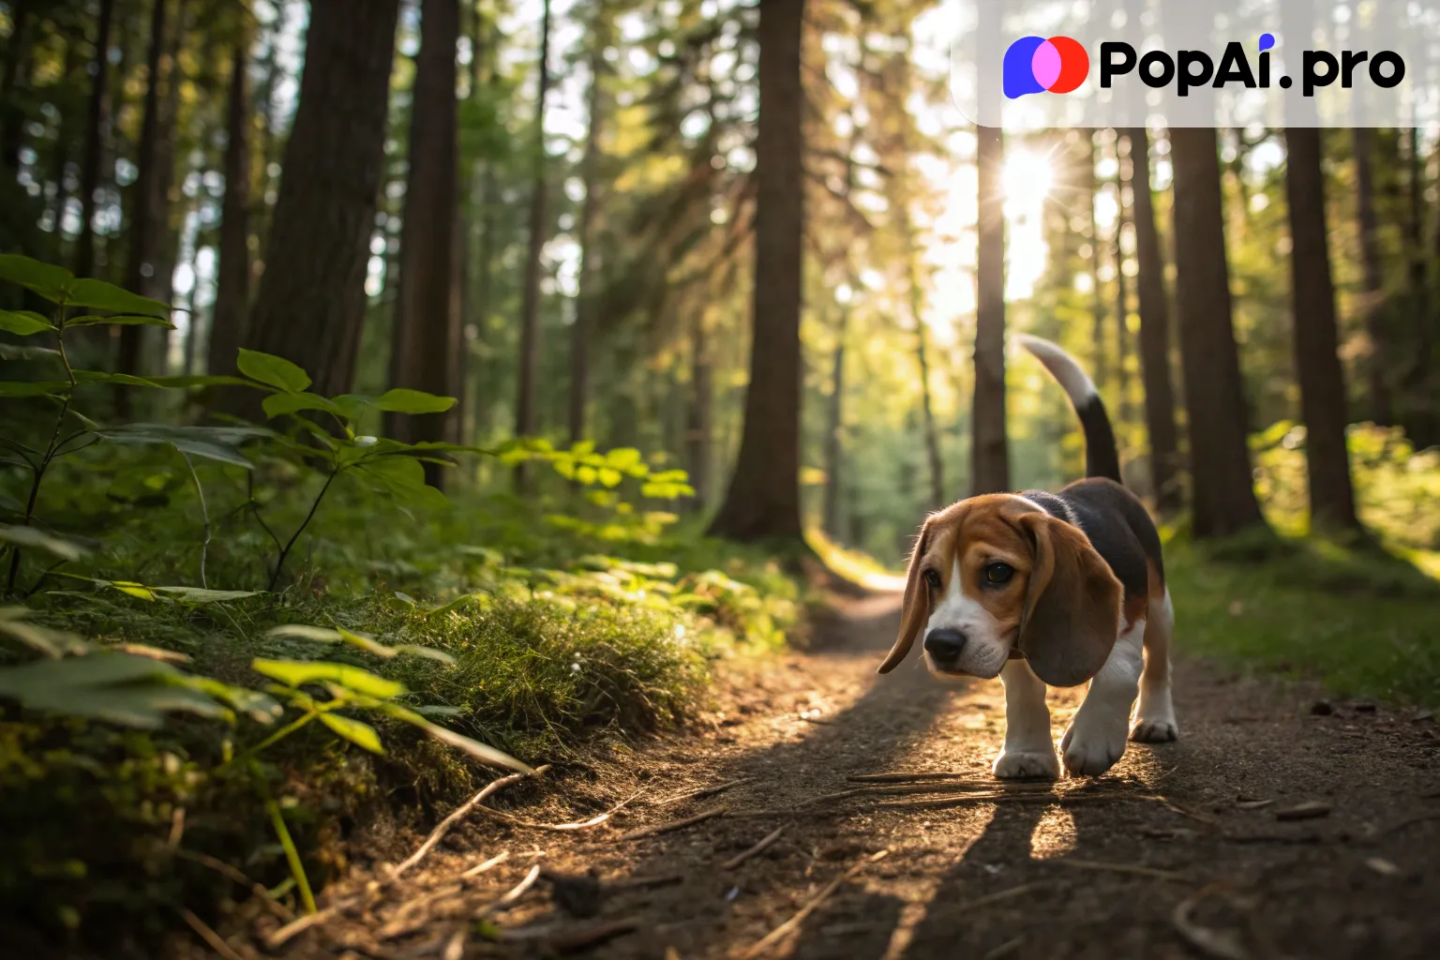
1280 825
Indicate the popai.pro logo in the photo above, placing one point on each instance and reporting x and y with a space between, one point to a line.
1040 65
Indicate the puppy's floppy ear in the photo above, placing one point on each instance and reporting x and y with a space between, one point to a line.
1072 605
916 611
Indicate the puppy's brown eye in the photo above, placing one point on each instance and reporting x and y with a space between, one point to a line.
998 573
933 579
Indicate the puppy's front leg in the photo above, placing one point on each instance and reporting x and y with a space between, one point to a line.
1096 738
1029 752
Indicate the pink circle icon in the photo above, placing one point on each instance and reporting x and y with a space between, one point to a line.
1046 64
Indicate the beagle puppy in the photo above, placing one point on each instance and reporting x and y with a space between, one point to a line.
1051 589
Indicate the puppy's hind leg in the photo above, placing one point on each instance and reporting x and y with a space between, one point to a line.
1155 718
1029 751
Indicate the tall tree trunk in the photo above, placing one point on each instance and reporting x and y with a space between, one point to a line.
60 158
311 303
763 500
525 420
1099 369
426 332
699 428
1122 295
1154 333
1317 360
232 289
148 195
1382 404
97 121
835 428
590 174
990 454
938 498
17 58
1420 417
1223 490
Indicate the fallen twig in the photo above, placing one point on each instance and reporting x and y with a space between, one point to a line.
672 825
638 883
789 926
229 872
511 895
757 849
1135 869
706 792
901 777
298 926
463 811
990 898
480 868
1309 810
211 938
1176 808
1005 949
1221 944
594 821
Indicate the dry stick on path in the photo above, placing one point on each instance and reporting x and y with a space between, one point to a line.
706 792
461 813
789 926
672 825
480 868
211 938
511 895
1130 868
756 850
1221 944
901 777
1000 895
559 827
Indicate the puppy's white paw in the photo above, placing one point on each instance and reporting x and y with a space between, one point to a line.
1156 730
1091 750
1026 765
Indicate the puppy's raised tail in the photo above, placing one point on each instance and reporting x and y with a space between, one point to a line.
1102 459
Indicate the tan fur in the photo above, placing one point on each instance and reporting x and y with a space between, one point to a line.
1061 608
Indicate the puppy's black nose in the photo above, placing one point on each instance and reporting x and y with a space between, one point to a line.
944 646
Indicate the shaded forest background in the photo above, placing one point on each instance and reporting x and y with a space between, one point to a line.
557 212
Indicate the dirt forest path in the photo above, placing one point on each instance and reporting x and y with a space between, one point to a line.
1202 848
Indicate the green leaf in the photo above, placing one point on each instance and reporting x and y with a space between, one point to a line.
121 320
341 635
428 653
401 400
403 478
202 381
272 370
296 673
30 537
610 477
623 458
43 278
253 703
476 749
24 323
211 443
10 351
32 388
118 687
51 643
358 733
99 295
197 595
132 589
279 404
122 379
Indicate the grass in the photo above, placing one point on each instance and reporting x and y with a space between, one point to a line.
1364 623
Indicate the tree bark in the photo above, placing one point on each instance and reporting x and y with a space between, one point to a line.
426 334
97 120
1382 404
148 195
311 302
1122 294
1223 489
1317 360
700 426
1420 417
17 57
990 455
1099 368
1154 333
763 501
589 255
232 291
525 420
835 428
